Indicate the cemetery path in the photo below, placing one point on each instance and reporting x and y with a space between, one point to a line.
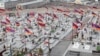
61 47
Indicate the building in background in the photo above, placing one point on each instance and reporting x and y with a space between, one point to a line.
84 2
2 6
11 4
28 4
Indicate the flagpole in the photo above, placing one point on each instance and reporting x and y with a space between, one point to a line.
10 50
72 36
49 46
72 33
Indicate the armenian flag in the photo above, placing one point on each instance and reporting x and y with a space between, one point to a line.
7 20
94 7
66 14
75 26
40 15
27 31
77 21
94 14
39 19
49 14
55 16
31 14
96 27
2 10
29 20
17 24
9 29
78 11
2 22
60 10
41 24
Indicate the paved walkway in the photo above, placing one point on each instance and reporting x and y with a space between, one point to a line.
82 54
61 47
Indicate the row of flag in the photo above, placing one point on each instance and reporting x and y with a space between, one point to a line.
41 18
40 21
61 10
93 7
7 21
80 11
10 29
52 15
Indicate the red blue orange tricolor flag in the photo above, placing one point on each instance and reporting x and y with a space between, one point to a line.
75 26
17 24
9 29
96 27
7 20
27 31
41 24
94 14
